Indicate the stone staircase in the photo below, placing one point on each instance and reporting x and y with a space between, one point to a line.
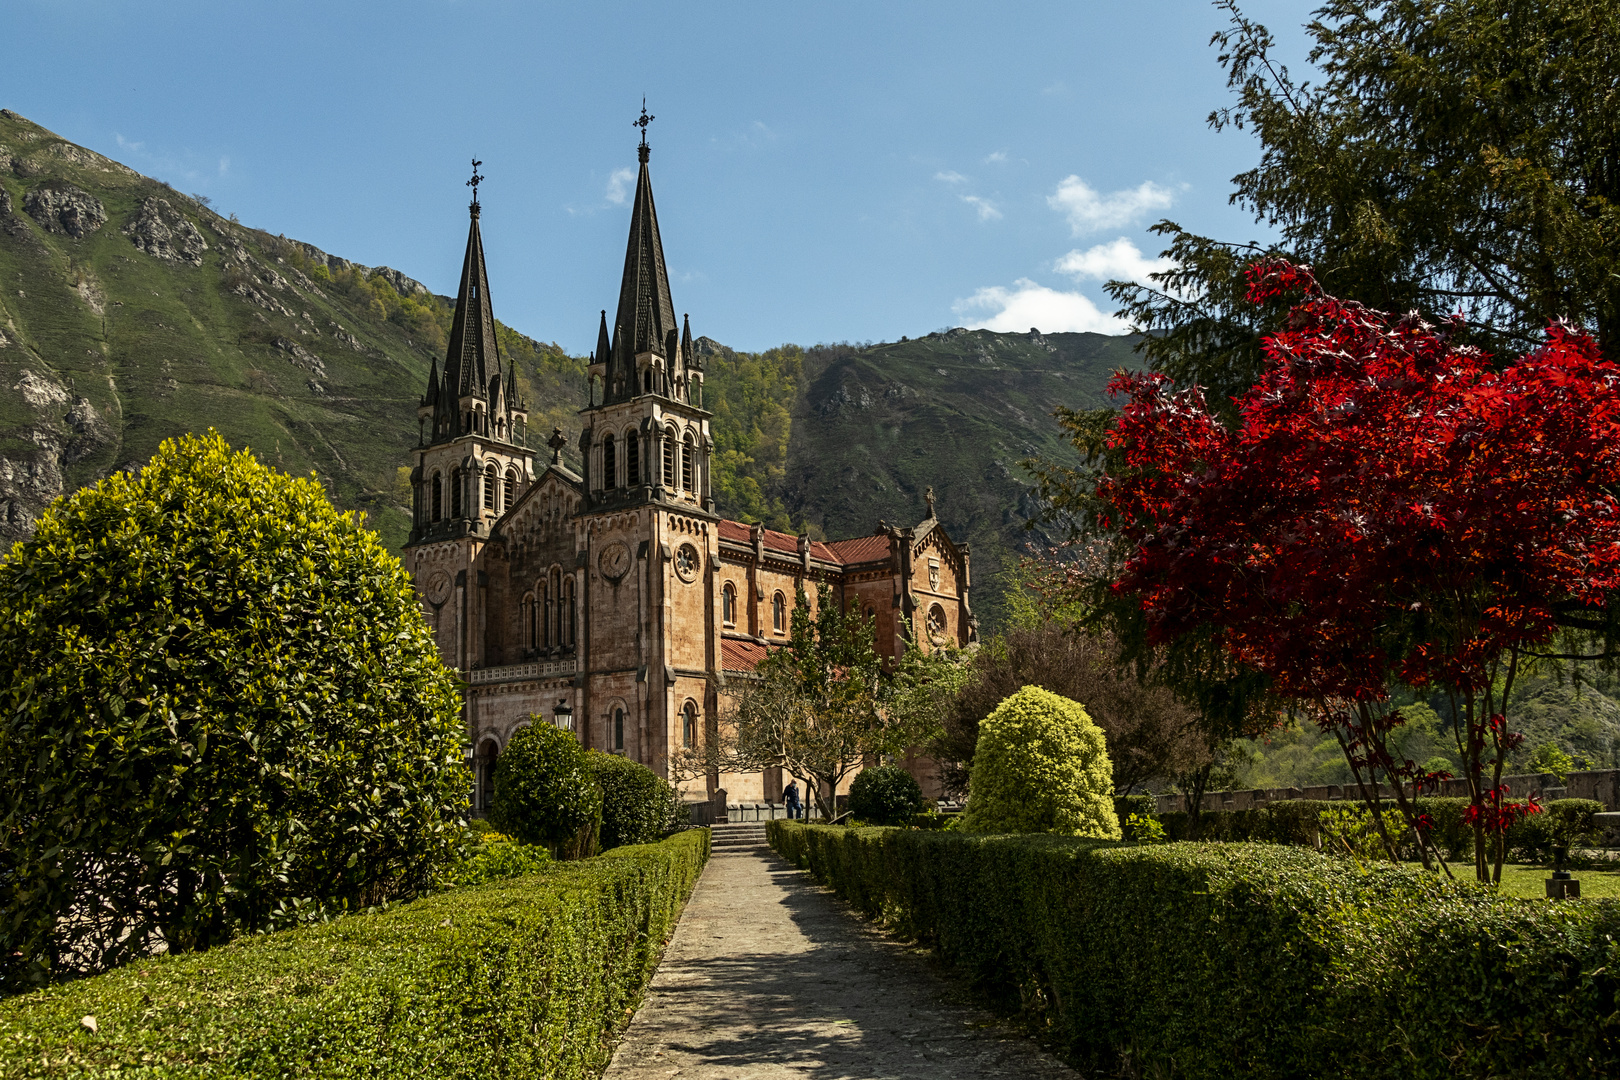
738 838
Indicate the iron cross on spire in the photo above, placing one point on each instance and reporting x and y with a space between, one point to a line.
475 181
642 123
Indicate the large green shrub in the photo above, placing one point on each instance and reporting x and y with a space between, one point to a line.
523 979
885 795
1041 766
220 708
638 805
545 793
1243 960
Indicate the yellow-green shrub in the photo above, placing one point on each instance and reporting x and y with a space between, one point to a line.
1041 766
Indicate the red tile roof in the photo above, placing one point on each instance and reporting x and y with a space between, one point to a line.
741 655
735 531
860 549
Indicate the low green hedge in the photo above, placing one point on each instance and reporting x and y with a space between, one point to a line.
1243 960
531 977
1293 821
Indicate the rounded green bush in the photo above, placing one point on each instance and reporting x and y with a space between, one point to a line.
1041 766
220 710
638 805
545 793
885 795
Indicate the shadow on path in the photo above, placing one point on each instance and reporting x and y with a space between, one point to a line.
770 976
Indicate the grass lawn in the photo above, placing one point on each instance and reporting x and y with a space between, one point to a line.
1527 881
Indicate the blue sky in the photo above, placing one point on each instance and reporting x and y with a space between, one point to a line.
824 172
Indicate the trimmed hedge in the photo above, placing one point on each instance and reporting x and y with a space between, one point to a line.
531 977
1240 960
1294 821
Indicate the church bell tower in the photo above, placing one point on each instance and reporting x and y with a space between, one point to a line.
646 435
471 461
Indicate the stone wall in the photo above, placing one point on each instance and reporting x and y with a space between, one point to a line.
1602 785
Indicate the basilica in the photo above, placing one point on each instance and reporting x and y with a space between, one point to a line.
618 603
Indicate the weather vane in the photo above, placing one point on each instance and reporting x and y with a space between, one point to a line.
476 180
644 121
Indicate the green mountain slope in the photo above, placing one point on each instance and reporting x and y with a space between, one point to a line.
130 313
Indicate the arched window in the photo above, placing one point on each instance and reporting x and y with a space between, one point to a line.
669 459
492 477
728 605
509 488
618 729
542 607
646 381
632 460
438 497
686 464
567 635
689 725
455 493
528 619
554 609
778 613
610 465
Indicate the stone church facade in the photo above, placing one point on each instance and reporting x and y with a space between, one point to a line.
618 603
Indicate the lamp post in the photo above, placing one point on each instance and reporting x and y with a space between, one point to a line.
563 715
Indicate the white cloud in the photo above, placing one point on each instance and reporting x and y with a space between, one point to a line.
1027 305
618 186
950 176
996 158
1089 211
988 211
1117 260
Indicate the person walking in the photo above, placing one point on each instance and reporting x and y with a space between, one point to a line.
791 798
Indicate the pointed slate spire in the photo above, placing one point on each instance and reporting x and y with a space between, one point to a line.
689 356
432 395
470 359
472 367
646 313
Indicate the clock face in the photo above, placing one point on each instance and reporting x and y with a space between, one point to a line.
686 562
438 588
614 561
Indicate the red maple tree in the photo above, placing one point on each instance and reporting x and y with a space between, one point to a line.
1389 508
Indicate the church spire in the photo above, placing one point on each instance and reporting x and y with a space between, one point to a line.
646 315
472 368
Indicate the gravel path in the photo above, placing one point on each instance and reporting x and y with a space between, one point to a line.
769 977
